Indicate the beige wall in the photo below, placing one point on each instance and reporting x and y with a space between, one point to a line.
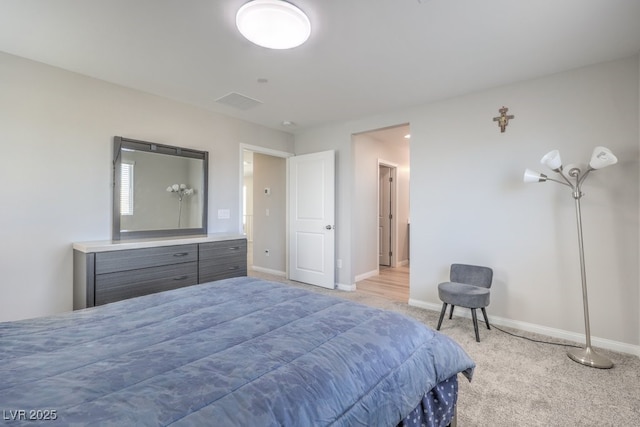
468 202
479 211
269 229
56 131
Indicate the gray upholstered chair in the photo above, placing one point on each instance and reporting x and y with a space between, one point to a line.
469 287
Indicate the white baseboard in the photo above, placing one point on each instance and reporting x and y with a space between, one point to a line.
368 274
538 329
426 305
343 287
268 271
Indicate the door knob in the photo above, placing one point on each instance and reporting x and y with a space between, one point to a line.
329 227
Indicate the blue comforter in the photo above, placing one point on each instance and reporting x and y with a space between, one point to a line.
237 352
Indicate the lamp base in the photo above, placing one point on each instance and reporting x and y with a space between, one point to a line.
587 356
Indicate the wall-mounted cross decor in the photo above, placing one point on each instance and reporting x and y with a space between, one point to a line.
503 118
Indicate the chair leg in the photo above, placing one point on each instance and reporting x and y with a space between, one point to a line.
444 309
475 323
451 311
486 319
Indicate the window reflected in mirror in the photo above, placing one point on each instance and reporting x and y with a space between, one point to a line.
126 188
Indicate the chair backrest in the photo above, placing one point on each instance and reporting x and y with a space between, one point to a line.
471 275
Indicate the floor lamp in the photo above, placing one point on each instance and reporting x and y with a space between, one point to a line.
573 178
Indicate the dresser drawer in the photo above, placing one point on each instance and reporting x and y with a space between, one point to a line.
223 251
221 260
120 285
211 272
132 259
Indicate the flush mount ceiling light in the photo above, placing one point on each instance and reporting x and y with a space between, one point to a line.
274 24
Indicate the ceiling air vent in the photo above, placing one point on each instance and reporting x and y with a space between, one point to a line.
238 101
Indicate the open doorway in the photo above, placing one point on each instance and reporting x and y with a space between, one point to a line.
264 208
278 242
381 208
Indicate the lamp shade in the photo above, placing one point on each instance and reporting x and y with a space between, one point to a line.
552 160
274 24
533 176
601 158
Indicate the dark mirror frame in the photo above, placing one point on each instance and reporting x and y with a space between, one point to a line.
120 143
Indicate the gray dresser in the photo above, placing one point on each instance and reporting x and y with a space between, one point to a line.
105 272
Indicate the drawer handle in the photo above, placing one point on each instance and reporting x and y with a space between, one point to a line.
180 278
181 254
234 248
233 268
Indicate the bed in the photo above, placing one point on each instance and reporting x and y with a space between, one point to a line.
236 352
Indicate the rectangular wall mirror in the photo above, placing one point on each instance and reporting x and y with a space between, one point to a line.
158 190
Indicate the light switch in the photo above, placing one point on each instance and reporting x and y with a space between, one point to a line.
224 214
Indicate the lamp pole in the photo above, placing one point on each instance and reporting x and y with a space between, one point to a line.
586 356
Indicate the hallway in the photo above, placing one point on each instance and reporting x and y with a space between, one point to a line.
391 283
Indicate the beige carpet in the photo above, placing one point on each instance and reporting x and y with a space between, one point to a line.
518 382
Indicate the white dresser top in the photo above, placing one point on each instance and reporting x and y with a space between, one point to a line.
118 245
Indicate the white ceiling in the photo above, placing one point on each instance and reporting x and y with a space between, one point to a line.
364 57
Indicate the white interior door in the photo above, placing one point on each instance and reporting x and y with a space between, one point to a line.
384 216
312 218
